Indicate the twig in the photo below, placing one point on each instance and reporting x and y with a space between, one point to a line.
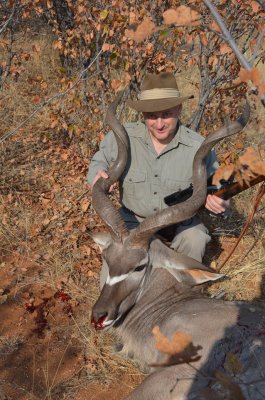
249 220
5 24
258 44
227 36
229 39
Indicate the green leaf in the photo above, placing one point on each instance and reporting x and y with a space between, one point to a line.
114 59
164 33
103 14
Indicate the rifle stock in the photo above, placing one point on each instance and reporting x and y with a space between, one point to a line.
226 191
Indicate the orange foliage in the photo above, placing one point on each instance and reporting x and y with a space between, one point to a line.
107 42
248 166
178 343
179 349
252 75
142 31
182 15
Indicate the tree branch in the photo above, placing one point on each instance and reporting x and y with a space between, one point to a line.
227 36
229 39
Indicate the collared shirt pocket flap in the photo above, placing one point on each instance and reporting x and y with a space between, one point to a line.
135 176
134 182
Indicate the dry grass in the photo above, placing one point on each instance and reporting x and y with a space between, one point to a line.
62 254
245 270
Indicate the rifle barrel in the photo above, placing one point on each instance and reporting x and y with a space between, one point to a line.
226 191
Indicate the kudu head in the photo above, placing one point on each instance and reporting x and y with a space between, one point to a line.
130 256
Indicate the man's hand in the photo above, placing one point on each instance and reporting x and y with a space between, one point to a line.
102 174
216 205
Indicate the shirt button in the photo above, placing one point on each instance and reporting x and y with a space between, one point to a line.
155 192
155 209
156 175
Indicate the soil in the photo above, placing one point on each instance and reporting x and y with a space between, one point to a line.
40 357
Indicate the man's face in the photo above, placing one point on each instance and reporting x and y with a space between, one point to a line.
162 124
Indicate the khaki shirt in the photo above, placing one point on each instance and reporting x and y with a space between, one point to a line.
149 176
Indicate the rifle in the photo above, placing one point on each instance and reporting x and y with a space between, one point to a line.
226 190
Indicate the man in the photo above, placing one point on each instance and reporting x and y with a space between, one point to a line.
160 162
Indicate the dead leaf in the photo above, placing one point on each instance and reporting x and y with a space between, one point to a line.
86 250
213 265
215 27
232 363
84 203
116 84
36 99
58 45
225 172
141 31
261 89
36 48
227 382
252 160
204 39
4 219
107 47
178 343
255 6
225 49
65 155
179 348
252 75
182 15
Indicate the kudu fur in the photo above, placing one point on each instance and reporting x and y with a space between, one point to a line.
149 284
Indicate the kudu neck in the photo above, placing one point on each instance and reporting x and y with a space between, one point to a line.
160 280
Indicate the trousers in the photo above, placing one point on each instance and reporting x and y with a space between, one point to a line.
188 237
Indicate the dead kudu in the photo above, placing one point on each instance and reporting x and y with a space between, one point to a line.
148 284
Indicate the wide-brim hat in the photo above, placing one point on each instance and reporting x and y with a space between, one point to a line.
159 92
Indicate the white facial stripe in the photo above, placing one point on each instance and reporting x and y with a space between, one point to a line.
107 323
111 321
115 279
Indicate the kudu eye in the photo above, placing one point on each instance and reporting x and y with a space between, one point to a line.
140 268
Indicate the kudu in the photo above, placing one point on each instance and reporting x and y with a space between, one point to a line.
149 284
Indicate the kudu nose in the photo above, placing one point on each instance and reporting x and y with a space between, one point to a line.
98 318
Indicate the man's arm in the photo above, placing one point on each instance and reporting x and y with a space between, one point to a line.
102 159
214 204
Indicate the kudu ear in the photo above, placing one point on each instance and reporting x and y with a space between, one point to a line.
185 269
102 239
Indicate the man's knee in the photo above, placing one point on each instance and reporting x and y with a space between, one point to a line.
191 242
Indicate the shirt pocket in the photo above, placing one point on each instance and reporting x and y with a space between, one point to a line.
174 185
134 184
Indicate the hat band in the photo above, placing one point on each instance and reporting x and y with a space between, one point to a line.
153 94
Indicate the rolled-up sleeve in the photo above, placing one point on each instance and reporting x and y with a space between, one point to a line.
102 159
